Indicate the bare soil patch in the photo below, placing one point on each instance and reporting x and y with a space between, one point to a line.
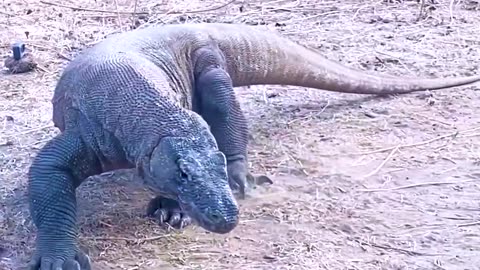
360 182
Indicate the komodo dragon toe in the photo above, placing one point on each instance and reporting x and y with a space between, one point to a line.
79 262
241 180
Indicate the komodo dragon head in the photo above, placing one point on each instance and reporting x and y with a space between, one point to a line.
194 173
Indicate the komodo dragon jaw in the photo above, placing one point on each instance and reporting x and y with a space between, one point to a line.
196 177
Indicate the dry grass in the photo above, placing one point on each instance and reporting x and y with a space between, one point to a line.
360 182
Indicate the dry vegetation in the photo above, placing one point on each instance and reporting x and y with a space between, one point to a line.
360 182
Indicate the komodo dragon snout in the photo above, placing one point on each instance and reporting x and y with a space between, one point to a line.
194 180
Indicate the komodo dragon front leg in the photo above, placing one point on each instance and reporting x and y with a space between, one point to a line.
214 99
59 168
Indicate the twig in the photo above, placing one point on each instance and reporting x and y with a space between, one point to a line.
133 15
453 134
469 224
383 163
422 6
395 249
32 130
7 14
469 135
451 10
118 15
127 239
417 185
136 13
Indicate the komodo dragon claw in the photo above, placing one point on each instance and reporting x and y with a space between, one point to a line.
258 180
81 261
167 211
241 180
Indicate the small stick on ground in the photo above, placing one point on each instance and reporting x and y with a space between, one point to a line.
451 10
417 185
148 239
118 15
133 14
383 163
136 13
469 224
409 252
422 6
453 134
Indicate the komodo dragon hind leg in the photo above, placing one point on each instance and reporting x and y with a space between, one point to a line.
215 101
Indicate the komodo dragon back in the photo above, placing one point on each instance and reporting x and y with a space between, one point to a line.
257 57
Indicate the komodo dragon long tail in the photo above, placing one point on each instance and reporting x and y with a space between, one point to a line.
261 57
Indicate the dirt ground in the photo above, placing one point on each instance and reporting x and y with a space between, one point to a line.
361 182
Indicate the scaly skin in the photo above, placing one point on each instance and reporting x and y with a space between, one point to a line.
161 100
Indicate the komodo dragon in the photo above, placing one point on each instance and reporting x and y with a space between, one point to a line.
161 100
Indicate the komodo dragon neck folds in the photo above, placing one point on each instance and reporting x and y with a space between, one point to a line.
161 100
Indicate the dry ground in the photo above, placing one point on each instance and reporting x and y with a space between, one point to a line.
360 182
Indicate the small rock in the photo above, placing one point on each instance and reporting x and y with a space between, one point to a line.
7 143
346 228
272 95
3 252
269 257
370 114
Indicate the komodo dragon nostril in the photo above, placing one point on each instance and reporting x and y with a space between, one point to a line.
215 217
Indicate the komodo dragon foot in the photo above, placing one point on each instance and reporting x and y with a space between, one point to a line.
241 180
79 261
167 211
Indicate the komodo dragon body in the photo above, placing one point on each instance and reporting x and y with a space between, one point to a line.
161 100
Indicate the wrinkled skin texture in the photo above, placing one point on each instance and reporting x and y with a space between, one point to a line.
172 149
187 190
79 262
173 160
215 101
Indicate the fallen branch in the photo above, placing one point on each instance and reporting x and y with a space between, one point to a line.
135 13
383 163
133 240
420 13
409 252
417 185
453 134
469 224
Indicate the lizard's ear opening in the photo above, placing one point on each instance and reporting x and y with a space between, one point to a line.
163 159
189 165
185 170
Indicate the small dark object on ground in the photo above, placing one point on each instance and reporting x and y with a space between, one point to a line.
3 252
21 61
